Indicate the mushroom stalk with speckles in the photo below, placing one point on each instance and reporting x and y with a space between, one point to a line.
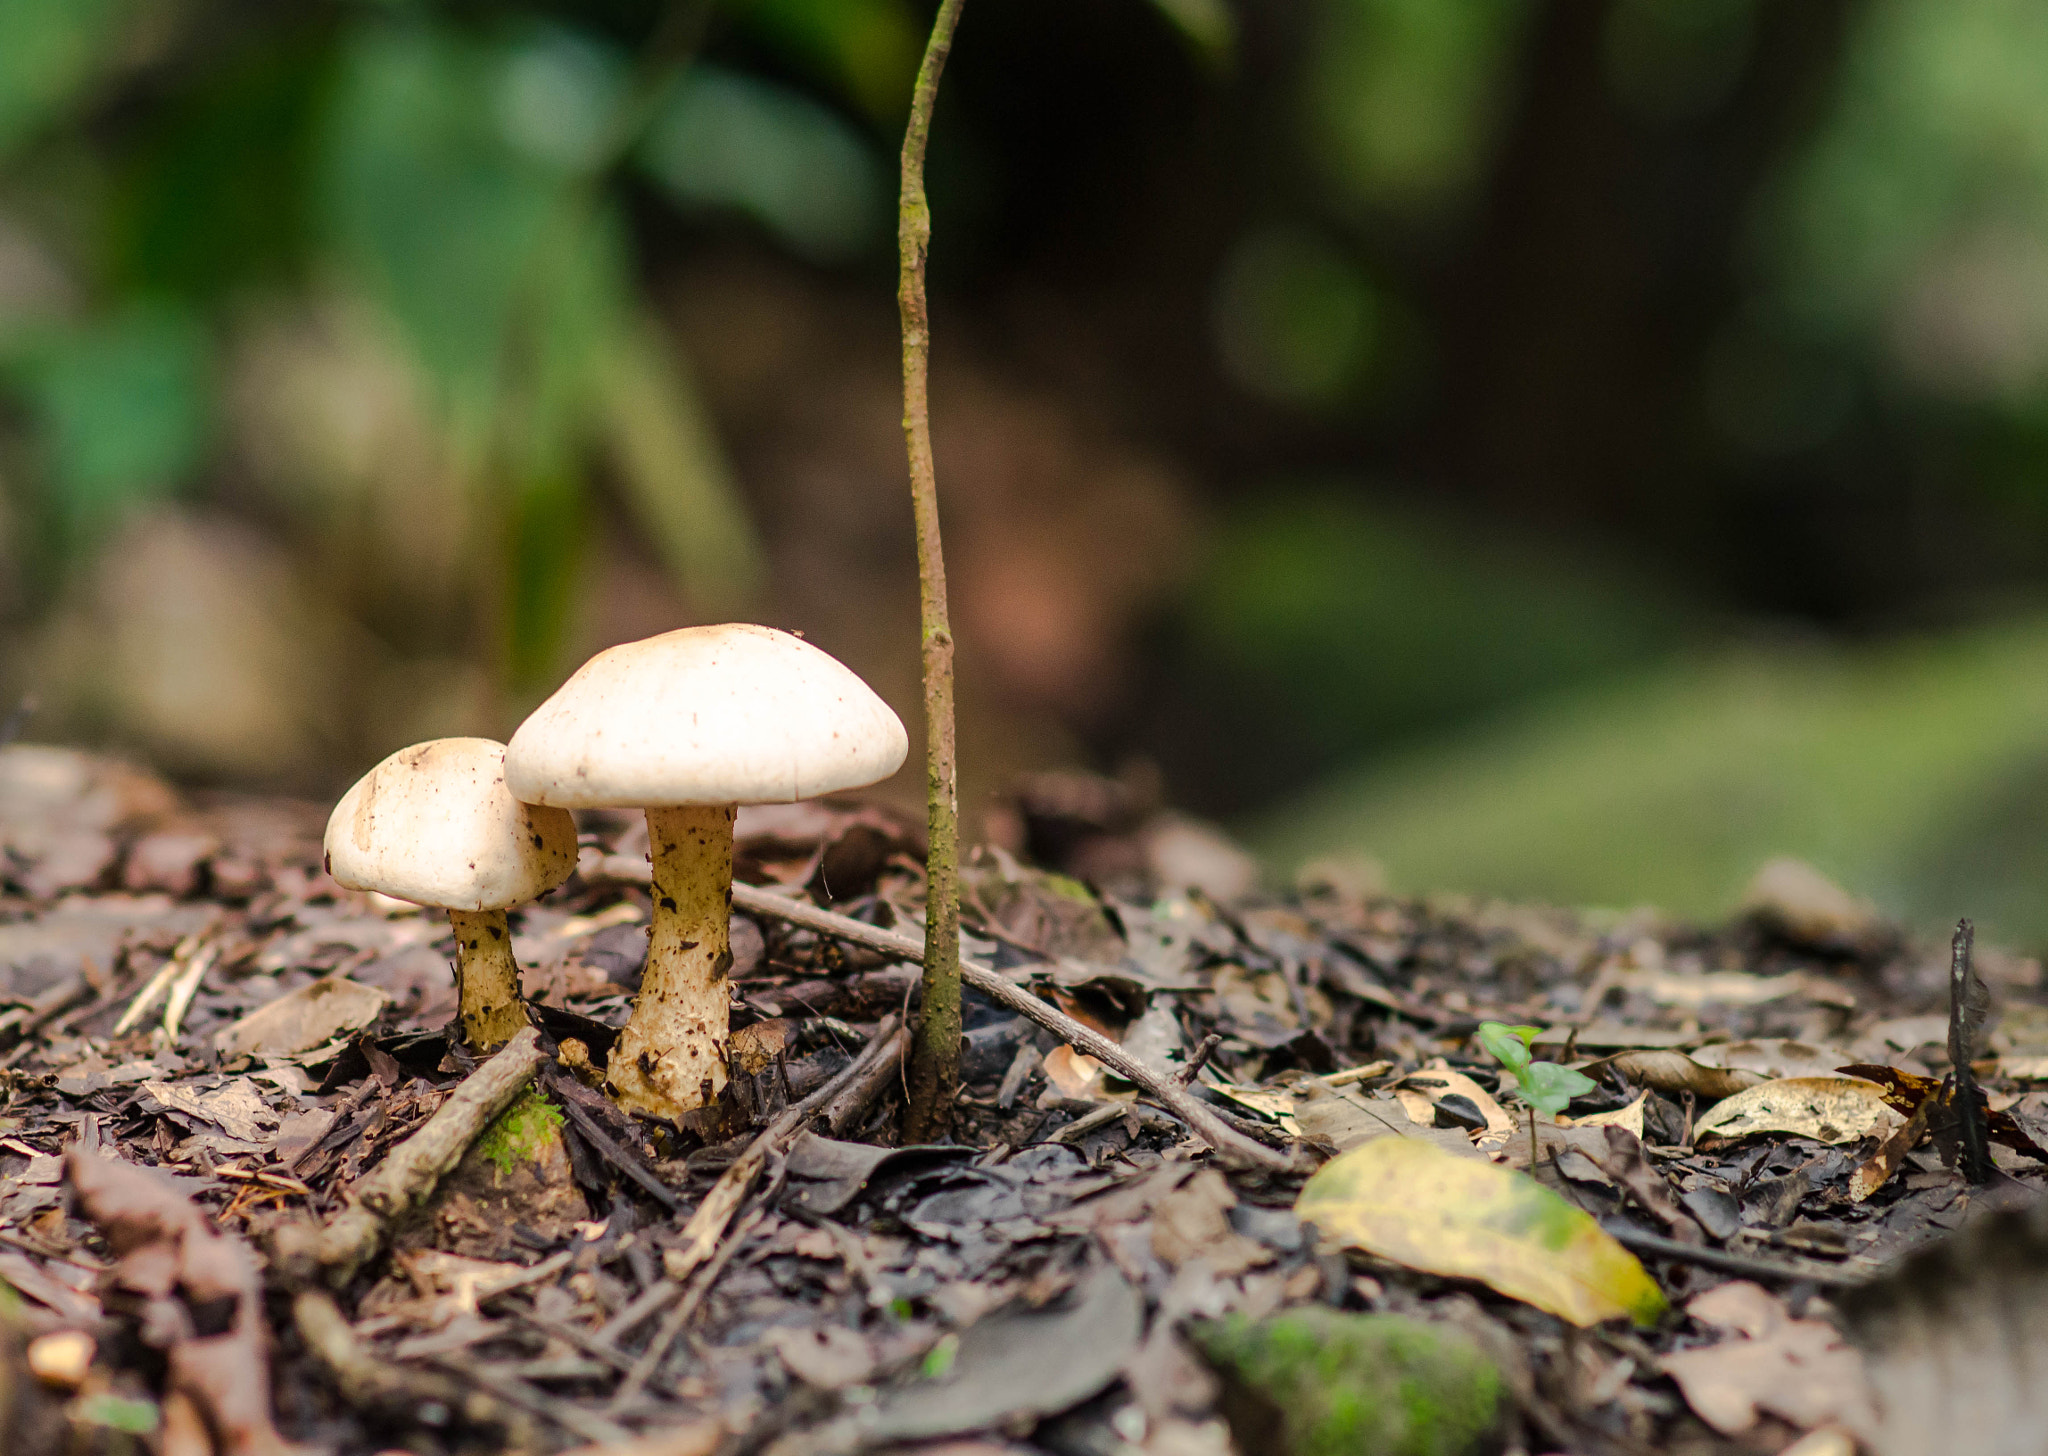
679 1021
687 726
434 824
486 979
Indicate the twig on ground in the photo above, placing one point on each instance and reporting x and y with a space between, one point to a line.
153 989
367 1381
26 1021
1199 1059
411 1171
515 1392
702 1233
184 988
1231 1146
935 1061
564 1086
673 1322
649 1302
576 1335
1804 1270
1088 1122
852 1104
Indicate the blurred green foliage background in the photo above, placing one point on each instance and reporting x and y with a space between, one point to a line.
1576 448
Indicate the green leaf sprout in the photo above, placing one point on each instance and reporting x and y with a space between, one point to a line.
1545 1086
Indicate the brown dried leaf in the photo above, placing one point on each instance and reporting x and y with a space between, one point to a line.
1342 1119
1909 1093
1073 1074
303 1019
827 1357
185 1271
1193 1222
1629 1117
1826 1109
1674 1074
1799 1370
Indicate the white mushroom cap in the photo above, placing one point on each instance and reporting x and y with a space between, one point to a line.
434 824
733 714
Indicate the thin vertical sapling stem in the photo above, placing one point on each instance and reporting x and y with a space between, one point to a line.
1545 1086
935 1056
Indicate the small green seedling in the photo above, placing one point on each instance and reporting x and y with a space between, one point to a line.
1545 1086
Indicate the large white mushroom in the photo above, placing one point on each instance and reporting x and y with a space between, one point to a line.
687 726
434 824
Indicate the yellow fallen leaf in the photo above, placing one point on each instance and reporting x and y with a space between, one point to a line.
1630 1117
1438 1081
1435 1211
1276 1103
1826 1109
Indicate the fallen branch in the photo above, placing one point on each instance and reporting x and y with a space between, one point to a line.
1231 1146
707 1224
410 1173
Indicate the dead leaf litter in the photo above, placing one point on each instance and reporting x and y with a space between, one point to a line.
212 1059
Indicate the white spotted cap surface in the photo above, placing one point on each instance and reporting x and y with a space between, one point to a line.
733 714
435 824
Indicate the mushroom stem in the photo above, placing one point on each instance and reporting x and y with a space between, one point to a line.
670 1059
487 978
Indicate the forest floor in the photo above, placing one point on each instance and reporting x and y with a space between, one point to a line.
1074 1271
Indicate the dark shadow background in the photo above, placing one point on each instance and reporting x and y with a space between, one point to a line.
1353 415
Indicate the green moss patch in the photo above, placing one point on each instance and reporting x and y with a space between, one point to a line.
522 1133
1331 1384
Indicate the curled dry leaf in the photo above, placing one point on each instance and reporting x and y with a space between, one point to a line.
1826 1109
1674 1074
1629 1117
1628 1165
202 1297
1910 1094
1431 1210
758 1046
1437 1081
1276 1103
1800 1370
1877 1170
1799 904
1072 1074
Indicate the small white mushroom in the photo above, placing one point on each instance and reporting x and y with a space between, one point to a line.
434 824
687 726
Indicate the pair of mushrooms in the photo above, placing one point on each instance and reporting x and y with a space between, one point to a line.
686 726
